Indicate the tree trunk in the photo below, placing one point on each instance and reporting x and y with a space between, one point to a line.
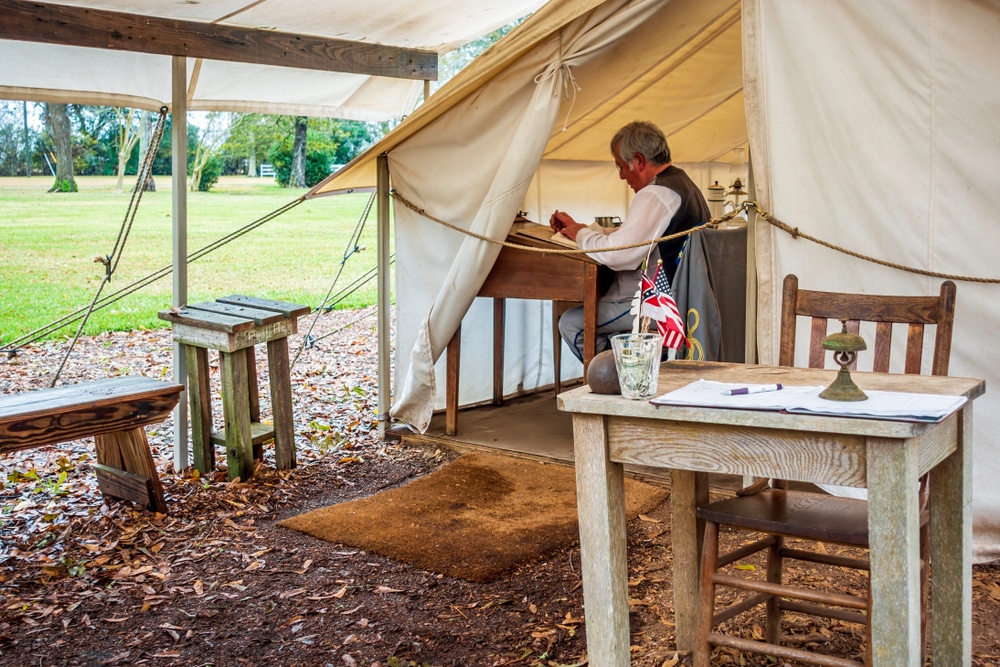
61 137
145 130
297 179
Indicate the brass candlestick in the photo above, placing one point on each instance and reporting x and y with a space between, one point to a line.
845 348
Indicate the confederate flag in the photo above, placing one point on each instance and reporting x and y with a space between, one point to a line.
657 304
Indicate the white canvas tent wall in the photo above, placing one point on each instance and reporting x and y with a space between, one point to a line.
872 127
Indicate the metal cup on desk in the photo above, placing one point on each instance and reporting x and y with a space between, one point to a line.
608 221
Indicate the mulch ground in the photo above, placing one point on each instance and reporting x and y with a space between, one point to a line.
90 581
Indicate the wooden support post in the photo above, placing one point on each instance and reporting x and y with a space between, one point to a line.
236 411
201 408
687 490
281 403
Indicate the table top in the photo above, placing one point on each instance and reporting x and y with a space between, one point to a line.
677 374
234 313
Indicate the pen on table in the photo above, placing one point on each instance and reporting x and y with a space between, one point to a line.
758 389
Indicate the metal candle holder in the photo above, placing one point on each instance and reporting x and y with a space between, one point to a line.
845 348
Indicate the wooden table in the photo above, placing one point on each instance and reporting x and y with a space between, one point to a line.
233 325
523 274
887 457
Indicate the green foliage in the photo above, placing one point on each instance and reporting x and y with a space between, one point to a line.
317 166
64 185
210 174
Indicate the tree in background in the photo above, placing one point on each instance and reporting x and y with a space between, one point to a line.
16 140
125 139
57 119
204 168
297 178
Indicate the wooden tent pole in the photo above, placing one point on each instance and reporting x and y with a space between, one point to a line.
384 295
178 113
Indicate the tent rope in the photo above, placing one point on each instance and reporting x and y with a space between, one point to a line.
13 346
111 260
353 246
715 222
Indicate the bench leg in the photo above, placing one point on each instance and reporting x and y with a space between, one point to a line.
201 409
126 469
236 412
253 394
281 403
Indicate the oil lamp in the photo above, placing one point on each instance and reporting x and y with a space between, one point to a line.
845 348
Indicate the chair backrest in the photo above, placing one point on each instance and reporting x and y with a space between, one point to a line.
884 311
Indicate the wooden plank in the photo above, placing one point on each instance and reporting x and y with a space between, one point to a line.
279 372
951 550
200 398
938 444
259 316
136 458
121 484
600 498
236 412
687 491
103 29
203 319
522 274
259 434
230 342
51 416
286 308
739 450
893 533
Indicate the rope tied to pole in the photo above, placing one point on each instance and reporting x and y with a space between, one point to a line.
794 232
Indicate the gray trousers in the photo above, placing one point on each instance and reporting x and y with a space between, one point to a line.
612 318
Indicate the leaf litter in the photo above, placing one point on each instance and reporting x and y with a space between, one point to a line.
86 580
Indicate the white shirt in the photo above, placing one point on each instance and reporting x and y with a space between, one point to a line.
648 217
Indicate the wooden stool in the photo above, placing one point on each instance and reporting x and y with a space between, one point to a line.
233 325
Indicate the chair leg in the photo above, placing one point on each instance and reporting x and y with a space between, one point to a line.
774 564
706 595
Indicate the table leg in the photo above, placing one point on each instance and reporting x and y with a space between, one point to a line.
452 361
590 320
951 550
499 319
236 411
281 403
600 485
199 391
687 490
894 538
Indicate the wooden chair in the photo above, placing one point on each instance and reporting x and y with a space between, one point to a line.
782 513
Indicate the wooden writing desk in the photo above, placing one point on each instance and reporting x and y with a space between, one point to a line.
887 457
522 274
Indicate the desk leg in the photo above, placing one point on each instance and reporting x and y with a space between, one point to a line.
590 320
687 490
600 495
281 403
498 340
951 550
236 410
454 353
894 537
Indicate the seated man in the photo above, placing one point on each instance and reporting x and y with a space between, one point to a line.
666 202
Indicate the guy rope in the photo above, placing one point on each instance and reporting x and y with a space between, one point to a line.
715 222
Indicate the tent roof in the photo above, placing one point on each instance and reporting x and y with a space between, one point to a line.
56 72
683 71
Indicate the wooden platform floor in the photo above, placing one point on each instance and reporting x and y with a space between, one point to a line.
531 427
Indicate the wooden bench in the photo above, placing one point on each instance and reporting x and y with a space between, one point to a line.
114 412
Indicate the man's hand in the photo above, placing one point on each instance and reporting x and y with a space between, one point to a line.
563 222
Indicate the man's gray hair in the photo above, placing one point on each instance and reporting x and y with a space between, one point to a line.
641 137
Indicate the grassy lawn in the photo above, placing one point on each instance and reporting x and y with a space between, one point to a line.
48 243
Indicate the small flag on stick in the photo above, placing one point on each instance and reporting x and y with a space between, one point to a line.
657 304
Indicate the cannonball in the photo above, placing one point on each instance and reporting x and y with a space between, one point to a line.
602 376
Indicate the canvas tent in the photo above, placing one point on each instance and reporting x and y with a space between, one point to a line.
871 126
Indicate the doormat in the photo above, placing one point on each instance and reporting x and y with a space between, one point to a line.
474 518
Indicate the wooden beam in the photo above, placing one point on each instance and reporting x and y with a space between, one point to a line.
102 29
